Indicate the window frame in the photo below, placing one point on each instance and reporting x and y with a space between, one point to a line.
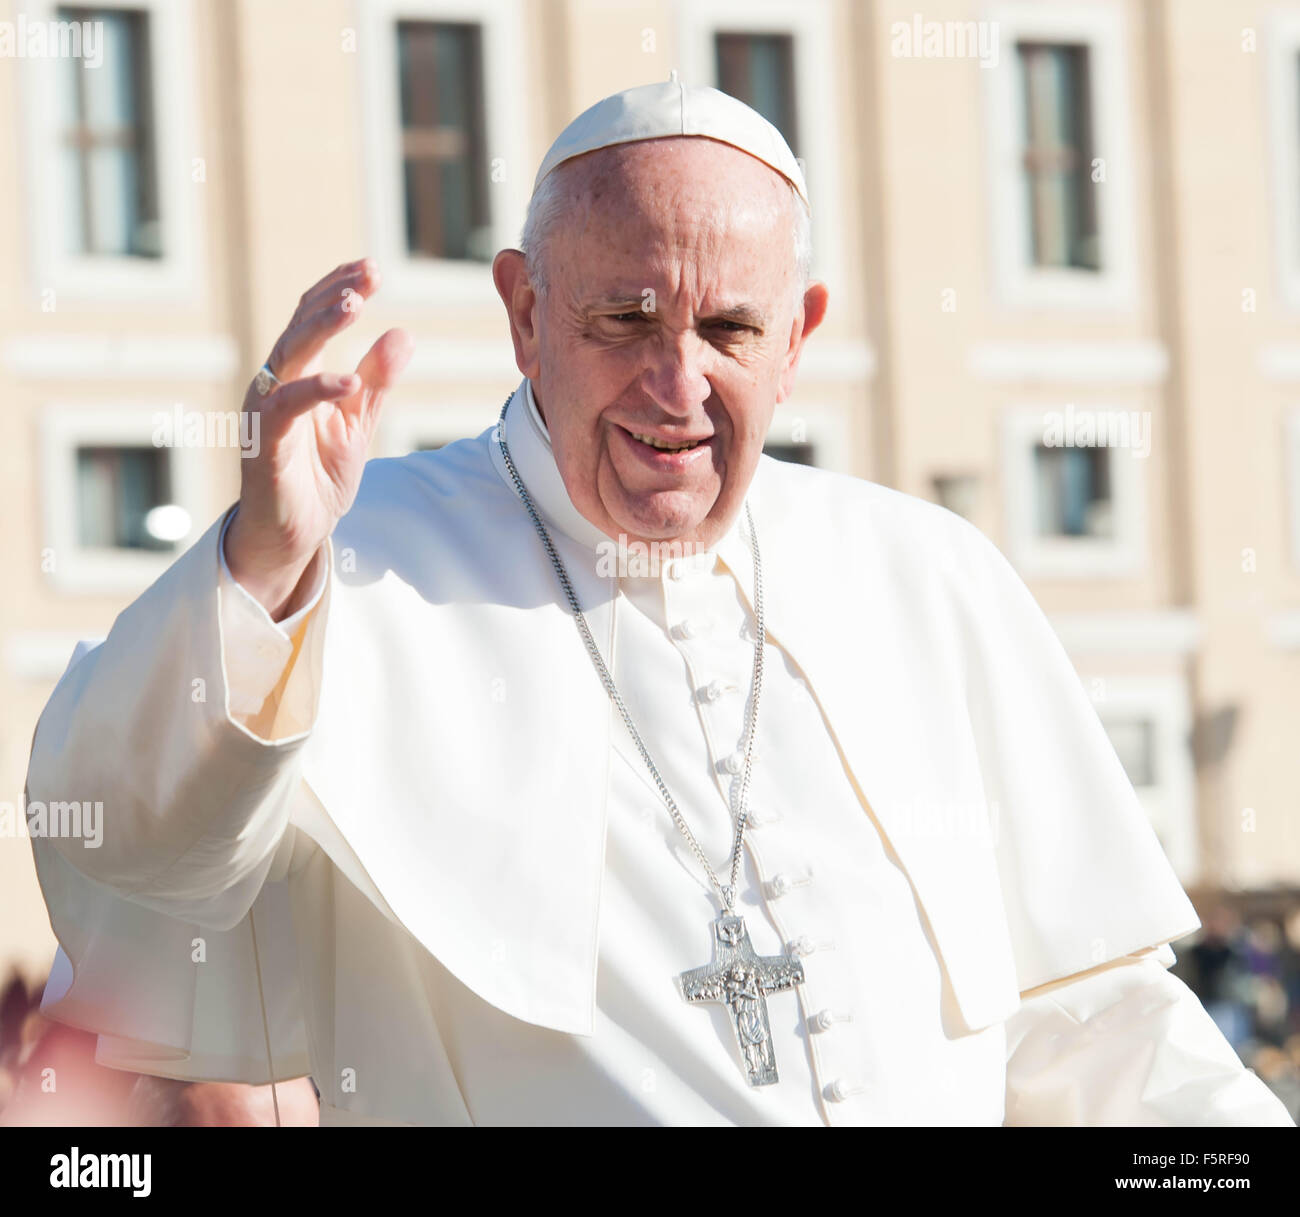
85 570
1016 281
432 282
1122 556
175 276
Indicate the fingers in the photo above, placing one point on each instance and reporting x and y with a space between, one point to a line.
325 309
299 396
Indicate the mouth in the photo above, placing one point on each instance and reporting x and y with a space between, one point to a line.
673 455
664 445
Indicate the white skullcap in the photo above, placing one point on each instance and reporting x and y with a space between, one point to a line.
669 108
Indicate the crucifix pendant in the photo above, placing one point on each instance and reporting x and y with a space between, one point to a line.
741 980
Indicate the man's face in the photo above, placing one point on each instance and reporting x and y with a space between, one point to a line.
668 334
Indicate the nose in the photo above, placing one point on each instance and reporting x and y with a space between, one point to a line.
674 374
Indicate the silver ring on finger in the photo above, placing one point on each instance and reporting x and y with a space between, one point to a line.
266 380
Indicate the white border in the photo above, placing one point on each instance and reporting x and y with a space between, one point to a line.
1171 803
1282 82
1017 281
1123 555
506 93
175 276
64 427
810 24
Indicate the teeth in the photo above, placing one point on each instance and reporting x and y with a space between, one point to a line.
663 445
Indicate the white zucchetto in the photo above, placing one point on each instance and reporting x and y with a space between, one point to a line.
666 109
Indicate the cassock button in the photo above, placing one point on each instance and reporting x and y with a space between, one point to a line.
715 689
735 763
842 1089
823 1020
692 627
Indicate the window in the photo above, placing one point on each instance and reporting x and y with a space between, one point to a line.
759 70
1060 193
446 176
119 492
117 509
1074 509
440 79
108 141
112 152
796 454
1063 182
1073 492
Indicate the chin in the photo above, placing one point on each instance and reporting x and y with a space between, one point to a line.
663 525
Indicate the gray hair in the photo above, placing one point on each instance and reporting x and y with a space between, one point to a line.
551 201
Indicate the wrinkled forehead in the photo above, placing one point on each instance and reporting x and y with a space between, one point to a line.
690 194
676 174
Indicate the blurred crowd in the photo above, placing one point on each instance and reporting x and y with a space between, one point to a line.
1244 967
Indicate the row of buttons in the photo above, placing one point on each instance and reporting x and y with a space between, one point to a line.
782 882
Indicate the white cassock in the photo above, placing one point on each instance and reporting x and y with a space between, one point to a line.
468 902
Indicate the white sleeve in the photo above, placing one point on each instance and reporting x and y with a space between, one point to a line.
257 649
1128 1044
194 794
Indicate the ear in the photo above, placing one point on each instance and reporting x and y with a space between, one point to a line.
516 291
810 315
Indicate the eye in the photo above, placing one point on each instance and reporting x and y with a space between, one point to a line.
633 316
732 327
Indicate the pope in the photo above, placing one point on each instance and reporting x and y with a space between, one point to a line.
601 769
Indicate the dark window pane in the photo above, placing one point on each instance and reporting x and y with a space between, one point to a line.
108 138
1060 192
116 489
796 454
1073 490
444 161
759 70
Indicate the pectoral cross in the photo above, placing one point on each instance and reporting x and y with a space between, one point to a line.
741 980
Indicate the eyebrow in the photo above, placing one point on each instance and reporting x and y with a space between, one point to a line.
740 313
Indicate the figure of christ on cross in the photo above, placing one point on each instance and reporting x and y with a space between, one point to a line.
741 980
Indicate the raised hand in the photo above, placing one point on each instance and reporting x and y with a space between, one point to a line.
315 428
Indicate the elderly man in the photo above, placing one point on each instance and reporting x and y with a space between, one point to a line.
600 769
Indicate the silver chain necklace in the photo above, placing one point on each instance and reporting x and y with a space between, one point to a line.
738 977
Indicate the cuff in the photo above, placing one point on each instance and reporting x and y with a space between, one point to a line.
257 648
